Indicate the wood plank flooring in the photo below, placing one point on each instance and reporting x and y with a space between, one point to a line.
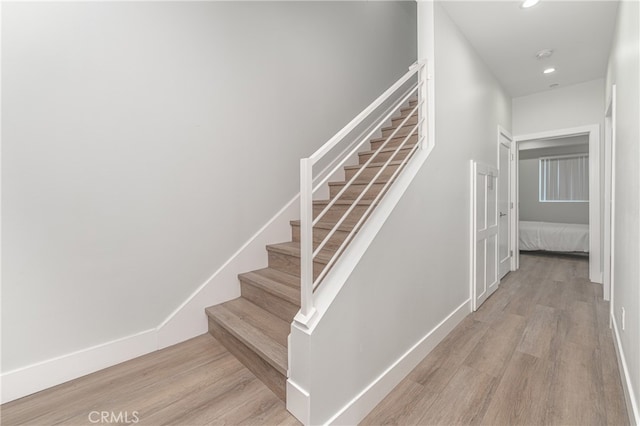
197 382
538 352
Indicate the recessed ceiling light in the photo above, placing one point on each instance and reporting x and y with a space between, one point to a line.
529 3
549 70
544 53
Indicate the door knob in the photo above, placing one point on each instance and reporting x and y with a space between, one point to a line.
502 214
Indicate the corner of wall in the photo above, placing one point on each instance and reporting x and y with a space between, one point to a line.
625 377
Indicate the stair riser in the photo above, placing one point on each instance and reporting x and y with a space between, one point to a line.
384 156
336 212
370 172
319 234
413 139
279 307
291 264
406 111
404 130
355 190
258 366
332 218
398 121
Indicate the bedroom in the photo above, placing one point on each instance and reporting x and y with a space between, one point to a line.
553 176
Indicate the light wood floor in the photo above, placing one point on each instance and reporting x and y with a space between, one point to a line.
197 382
539 351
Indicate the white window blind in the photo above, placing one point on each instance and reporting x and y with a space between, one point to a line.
564 178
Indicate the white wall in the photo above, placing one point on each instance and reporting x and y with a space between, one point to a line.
624 72
564 107
415 273
531 209
145 142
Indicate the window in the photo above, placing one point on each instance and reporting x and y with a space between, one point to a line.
564 178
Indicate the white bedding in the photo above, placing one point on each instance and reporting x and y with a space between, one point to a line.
554 236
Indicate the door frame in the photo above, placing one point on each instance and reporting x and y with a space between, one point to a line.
595 234
512 236
608 246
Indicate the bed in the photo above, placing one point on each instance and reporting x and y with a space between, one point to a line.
561 237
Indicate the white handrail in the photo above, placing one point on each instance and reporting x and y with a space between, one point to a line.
404 99
331 143
360 221
355 147
364 191
371 182
307 253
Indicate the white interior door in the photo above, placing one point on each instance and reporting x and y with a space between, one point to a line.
504 205
484 228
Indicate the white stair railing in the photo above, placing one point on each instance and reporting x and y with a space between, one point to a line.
308 284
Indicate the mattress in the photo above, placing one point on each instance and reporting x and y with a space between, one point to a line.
568 237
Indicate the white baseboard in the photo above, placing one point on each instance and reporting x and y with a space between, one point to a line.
185 322
298 402
42 375
627 385
358 408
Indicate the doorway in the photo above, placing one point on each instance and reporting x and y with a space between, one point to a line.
592 133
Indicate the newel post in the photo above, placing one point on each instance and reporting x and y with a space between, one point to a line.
306 241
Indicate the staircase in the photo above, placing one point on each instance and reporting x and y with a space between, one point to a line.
255 326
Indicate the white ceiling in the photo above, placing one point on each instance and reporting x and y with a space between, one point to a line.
507 38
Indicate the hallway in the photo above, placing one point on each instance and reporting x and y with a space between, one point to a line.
539 351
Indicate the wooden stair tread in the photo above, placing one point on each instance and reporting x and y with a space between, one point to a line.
259 330
395 127
342 202
293 249
346 226
373 165
361 182
282 277
403 116
272 282
407 146
411 106
375 140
